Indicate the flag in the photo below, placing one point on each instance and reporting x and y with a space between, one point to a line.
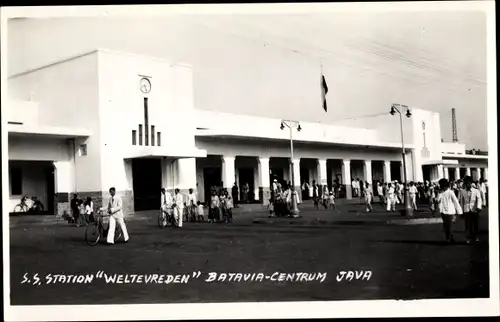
324 91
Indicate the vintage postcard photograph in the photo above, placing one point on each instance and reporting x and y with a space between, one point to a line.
250 161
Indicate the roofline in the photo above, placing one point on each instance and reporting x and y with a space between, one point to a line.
53 63
70 58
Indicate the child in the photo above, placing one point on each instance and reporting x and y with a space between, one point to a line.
200 211
332 201
229 209
270 206
81 221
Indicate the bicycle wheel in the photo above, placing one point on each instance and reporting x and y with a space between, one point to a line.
20 208
92 235
162 219
170 220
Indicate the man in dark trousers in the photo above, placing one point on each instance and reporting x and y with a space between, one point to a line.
234 194
74 208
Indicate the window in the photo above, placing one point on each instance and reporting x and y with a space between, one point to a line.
134 137
16 182
83 150
140 134
152 135
158 138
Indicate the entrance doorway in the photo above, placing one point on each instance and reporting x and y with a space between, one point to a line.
246 175
212 177
51 191
304 175
426 172
146 175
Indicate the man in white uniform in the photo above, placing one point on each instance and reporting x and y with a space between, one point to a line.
115 211
178 207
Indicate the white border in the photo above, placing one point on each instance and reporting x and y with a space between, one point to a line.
420 308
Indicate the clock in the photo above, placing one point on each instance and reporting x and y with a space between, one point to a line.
145 85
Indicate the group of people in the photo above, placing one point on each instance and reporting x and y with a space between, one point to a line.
82 211
181 209
83 214
465 199
281 203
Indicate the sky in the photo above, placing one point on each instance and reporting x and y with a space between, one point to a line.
270 64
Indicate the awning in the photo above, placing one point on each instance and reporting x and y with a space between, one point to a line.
165 152
47 131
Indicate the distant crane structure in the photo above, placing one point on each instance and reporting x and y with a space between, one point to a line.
454 124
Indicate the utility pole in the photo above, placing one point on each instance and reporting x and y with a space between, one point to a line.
291 126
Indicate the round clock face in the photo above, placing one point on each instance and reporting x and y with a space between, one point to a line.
145 85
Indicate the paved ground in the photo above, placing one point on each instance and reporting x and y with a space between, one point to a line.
406 261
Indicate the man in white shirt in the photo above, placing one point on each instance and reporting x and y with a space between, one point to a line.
178 207
114 209
413 195
471 203
391 198
449 207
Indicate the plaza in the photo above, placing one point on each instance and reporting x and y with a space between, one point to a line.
405 261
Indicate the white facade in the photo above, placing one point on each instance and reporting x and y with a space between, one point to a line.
81 113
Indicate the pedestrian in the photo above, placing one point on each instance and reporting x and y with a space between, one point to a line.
89 210
191 210
324 197
368 191
115 211
332 201
178 207
74 209
81 214
380 193
471 202
391 198
200 211
449 207
166 204
482 190
213 213
229 209
413 195
234 194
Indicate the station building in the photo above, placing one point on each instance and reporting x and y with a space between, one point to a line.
105 118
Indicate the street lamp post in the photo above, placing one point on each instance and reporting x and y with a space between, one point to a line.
291 125
400 109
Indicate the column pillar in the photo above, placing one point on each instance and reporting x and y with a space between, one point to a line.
478 173
264 184
64 185
346 177
322 175
467 171
485 174
446 173
228 173
457 173
368 171
387 171
440 174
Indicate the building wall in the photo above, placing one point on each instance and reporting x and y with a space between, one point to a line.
268 148
67 96
170 103
32 148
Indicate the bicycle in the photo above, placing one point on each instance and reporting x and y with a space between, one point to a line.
166 218
96 229
22 206
28 204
